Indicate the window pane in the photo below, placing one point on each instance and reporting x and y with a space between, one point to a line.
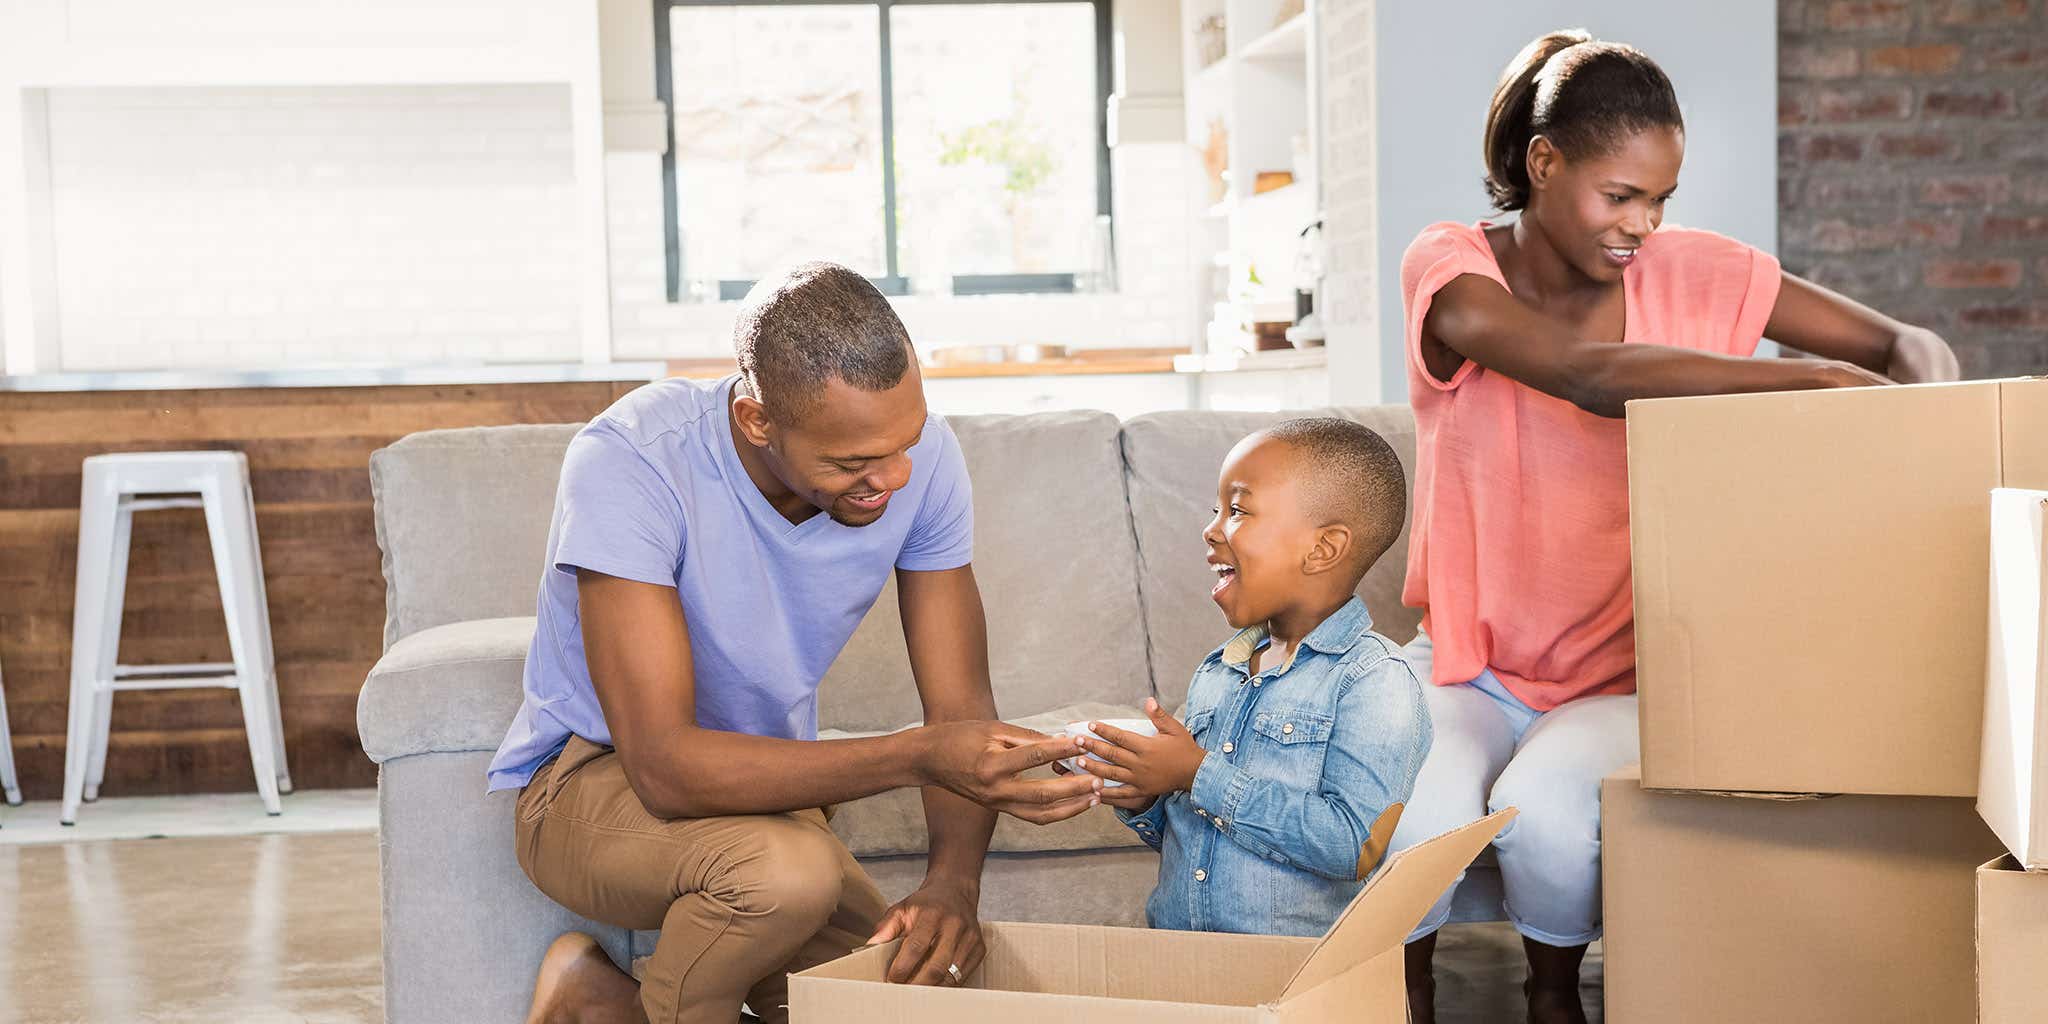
995 138
778 139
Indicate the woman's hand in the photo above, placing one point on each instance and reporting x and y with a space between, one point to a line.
1837 374
1148 766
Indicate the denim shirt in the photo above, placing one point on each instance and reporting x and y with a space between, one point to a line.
1308 767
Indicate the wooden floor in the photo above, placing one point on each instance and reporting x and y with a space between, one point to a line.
263 929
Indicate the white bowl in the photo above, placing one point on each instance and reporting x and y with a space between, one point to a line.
1141 726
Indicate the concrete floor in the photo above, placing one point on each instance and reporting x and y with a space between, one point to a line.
275 928
251 929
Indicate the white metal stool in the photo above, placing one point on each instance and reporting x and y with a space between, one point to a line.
10 786
116 487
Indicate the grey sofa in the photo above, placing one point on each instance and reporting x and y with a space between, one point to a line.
1090 561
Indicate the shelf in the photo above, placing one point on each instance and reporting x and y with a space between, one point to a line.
1212 76
1290 192
1286 42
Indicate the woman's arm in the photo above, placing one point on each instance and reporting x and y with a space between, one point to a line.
1474 318
1813 319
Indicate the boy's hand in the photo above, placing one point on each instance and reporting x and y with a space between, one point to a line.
1148 766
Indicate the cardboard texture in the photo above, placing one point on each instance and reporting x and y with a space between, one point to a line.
1844 908
1809 582
1039 972
2012 944
2012 779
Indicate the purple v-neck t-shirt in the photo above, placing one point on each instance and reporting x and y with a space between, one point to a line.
652 490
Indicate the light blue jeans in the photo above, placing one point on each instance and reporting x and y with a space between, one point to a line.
1492 751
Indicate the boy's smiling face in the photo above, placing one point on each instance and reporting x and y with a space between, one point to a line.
1258 535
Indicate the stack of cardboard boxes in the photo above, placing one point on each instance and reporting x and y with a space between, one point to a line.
1803 840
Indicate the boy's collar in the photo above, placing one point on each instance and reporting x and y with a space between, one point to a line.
1335 635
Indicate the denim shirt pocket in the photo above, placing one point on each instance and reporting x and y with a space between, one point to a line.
1291 745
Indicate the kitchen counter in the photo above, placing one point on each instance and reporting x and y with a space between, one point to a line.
338 376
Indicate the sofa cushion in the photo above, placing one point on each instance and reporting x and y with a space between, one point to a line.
1171 459
892 823
446 689
462 518
1056 562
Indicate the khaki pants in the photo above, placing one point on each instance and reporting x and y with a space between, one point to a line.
741 901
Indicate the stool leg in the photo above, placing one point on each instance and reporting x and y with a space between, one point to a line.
227 526
10 785
110 651
269 660
96 514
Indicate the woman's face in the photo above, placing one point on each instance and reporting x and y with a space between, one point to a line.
1598 209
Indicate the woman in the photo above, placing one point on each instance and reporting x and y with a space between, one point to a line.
1524 340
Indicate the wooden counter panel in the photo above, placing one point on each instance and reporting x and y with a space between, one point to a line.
309 452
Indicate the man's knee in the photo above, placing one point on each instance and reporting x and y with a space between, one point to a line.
787 869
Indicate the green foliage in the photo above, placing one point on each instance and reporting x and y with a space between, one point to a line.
1006 143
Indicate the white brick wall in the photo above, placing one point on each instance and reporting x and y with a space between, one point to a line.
1350 296
246 227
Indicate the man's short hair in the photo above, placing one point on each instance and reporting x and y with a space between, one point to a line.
1349 474
813 323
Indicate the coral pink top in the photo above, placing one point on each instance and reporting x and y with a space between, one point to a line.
1519 557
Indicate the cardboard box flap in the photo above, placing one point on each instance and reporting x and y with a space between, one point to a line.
2013 769
1392 904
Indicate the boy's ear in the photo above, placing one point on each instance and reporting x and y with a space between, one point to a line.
1330 551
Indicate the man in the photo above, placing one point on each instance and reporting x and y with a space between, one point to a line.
712 550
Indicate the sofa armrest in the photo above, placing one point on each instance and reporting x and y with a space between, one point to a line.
446 689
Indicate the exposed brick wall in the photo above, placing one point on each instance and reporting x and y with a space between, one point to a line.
1913 165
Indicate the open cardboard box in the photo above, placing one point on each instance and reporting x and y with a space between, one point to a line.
2012 943
2012 780
1809 582
1034 973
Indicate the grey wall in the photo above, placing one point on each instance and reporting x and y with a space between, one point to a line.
1439 59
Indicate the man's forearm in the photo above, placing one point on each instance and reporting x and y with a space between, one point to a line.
702 773
960 831
959 828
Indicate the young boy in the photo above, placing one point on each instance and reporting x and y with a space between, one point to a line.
1277 797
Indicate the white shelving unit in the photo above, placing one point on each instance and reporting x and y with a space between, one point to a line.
1259 101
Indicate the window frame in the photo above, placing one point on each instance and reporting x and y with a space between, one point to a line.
892 282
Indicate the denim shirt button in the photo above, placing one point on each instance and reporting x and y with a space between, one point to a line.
1229 748
1256 682
1201 813
1220 823
1201 875
1287 729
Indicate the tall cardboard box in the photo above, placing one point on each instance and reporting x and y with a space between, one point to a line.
2012 944
2012 781
1809 582
1729 908
1038 973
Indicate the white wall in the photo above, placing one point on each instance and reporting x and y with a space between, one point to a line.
1434 68
244 227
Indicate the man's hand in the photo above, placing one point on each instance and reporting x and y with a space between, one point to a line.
939 930
1148 766
981 761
